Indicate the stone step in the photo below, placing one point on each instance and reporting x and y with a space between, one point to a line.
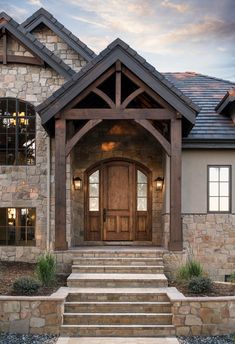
117 295
117 307
118 261
150 269
118 253
117 340
117 318
118 330
100 280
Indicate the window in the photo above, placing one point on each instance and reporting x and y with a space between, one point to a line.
219 188
94 191
17 226
17 132
142 191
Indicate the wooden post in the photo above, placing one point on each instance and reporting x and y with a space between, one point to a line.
176 237
60 185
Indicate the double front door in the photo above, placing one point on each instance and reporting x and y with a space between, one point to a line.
118 202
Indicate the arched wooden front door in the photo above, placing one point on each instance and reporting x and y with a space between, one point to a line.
118 202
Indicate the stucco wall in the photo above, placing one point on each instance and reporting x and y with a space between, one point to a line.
194 177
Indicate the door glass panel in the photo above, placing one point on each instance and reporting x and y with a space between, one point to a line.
142 204
224 174
214 174
94 177
142 191
94 191
141 177
214 203
94 204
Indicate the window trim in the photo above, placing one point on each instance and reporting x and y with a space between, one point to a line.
230 190
16 149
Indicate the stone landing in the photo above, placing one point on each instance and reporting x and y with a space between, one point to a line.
117 292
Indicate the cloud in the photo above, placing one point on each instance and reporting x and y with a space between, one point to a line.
89 21
181 8
18 13
123 16
35 2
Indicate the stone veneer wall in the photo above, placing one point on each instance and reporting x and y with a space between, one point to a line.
31 314
191 316
59 47
113 139
209 238
199 316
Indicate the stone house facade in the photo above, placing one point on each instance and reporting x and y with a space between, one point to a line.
102 150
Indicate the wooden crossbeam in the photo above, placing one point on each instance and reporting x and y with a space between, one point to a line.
155 114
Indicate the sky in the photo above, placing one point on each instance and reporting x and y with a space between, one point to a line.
172 35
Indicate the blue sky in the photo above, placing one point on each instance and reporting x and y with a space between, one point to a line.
173 35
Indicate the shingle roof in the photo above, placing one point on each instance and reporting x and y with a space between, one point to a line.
123 51
34 45
44 17
206 92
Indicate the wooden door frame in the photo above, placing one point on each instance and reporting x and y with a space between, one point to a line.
98 166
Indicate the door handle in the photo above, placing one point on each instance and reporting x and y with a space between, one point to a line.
104 214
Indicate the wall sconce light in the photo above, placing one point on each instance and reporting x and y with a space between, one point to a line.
160 182
77 183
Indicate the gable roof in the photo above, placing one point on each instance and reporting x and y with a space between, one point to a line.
118 50
205 91
227 101
44 17
34 45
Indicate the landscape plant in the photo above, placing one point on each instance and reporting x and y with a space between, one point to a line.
200 285
192 268
46 269
26 286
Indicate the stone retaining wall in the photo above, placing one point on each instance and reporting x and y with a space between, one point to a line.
31 314
200 316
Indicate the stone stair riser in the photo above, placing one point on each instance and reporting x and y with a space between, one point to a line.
117 297
117 319
160 307
118 269
118 254
118 261
116 284
109 331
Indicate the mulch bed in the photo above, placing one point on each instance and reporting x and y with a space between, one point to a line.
11 271
218 289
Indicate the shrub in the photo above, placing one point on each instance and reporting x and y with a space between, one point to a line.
232 277
26 286
46 269
191 269
199 285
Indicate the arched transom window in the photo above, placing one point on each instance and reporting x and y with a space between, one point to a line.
17 132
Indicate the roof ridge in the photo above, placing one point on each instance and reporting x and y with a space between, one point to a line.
4 15
17 28
66 35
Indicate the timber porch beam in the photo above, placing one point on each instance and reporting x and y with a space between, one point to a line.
176 235
158 136
155 114
60 185
74 140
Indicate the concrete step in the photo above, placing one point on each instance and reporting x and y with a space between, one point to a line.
117 307
117 261
150 269
100 280
118 330
117 340
117 318
117 295
118 253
